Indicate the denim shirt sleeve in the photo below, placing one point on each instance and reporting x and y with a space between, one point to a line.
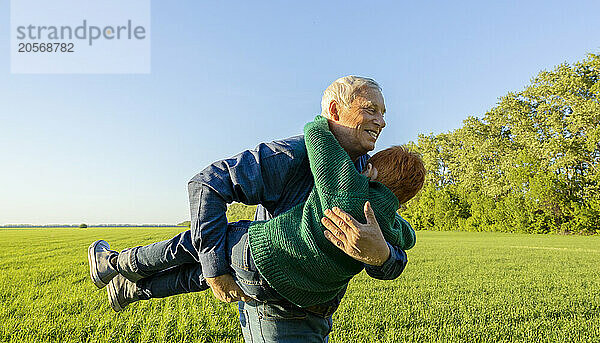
395 264
252 177
392 268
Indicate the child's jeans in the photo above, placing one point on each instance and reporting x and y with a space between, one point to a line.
170 272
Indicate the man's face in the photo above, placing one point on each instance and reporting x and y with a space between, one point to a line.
360 124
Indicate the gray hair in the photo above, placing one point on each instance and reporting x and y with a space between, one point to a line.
344 90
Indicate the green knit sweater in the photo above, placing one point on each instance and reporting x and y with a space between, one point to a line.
291 251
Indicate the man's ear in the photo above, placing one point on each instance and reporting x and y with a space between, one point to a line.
334 111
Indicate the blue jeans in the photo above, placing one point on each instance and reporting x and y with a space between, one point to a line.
170 267
281 322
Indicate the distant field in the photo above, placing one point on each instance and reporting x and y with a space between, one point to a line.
458 287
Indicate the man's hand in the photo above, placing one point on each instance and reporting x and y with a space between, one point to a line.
363 242
225 289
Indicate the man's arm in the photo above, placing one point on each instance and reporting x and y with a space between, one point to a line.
362 242
251 177
390 269
344 235
393 267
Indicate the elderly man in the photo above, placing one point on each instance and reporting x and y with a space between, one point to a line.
276 176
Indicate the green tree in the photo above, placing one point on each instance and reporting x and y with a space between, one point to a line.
530 164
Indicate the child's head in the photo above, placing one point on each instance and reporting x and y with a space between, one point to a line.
399 169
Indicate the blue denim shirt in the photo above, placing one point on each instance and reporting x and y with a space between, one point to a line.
276 176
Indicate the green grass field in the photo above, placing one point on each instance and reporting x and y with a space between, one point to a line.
458 287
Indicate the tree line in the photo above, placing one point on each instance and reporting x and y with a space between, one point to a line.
530 164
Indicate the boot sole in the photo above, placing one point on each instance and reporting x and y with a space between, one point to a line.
92 262
112 297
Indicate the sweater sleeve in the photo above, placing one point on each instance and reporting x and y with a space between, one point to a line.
402 234
332 169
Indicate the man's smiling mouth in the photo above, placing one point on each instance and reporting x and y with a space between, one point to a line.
373 134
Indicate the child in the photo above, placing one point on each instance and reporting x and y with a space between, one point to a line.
288 257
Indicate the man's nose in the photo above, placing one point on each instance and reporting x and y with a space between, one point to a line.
380 121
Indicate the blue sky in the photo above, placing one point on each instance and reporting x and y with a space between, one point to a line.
121 148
